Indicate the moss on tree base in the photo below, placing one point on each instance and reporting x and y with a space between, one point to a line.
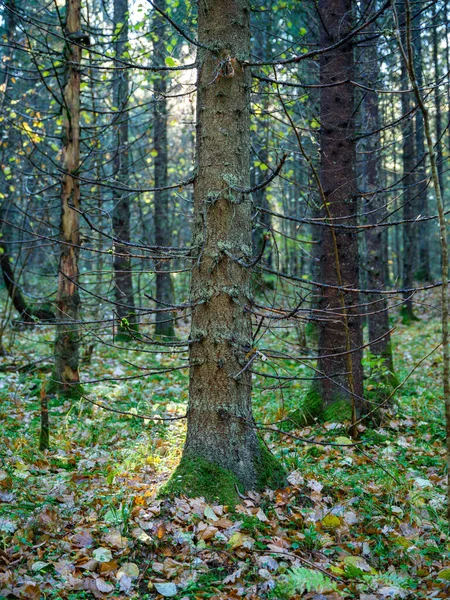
68 392
338 412
407 316
196 477
313 409
269 470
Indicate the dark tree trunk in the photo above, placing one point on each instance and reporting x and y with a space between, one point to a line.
260 143
437 96
339 386
408 197
165 324
423 271
66 377
221 430
5 260
123 276
376 239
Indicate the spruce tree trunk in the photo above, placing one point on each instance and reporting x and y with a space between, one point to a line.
164 321
260 143
221 439
423 271
376 239
409 253
123 277
14 292
65 378
339 386
437 96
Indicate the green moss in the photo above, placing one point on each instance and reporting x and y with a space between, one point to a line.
312 333
269 470
407 316
310 409
69 392
198 477
127 331
338 411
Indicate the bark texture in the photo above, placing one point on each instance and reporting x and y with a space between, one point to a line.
163 238
340 383
123 277
66 375
376 239
220 422
409 204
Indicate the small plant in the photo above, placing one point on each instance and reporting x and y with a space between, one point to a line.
301 580
312 540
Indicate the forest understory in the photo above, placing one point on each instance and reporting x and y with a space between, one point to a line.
85 519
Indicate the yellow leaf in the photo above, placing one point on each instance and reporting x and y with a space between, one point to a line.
331 522
236 540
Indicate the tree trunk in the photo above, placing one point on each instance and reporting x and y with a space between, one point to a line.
437 96
409 203
123 277
339 385
66 377
376 239
423 271
222 447
260 143
164 322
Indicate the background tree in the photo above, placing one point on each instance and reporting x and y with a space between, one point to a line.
123 276
164 319
66 378
338 387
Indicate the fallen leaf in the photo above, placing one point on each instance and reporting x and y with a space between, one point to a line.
128 569
102 555
166 589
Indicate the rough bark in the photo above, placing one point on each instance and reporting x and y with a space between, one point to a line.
66 377
220 423
123 276
164 322
339 386
376 239
409 253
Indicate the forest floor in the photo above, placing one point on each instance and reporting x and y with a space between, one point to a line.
83 520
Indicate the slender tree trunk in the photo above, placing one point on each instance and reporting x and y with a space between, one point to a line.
5 260
123 276
165 324
423 272
437 96
66 377
260 142
44 434
376 239
409 203
221 434
339 386
405 45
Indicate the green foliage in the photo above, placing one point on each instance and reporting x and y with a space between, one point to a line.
301 580
195 477
271 473
338 412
